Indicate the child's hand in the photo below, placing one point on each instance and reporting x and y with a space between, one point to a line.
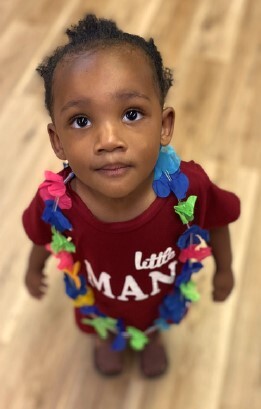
223 283
35 283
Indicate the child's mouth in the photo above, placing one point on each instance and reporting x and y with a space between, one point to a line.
117 169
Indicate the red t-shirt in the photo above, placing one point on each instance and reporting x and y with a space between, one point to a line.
131 266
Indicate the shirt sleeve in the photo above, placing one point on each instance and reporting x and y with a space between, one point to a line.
215 207
36 229
222 207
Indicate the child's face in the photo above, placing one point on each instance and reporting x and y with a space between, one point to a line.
108 121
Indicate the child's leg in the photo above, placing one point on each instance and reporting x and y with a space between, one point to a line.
107 361
153 359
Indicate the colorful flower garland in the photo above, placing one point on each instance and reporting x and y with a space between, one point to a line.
192 243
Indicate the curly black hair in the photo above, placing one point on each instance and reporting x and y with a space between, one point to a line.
94 33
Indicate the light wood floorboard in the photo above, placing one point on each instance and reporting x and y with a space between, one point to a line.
215 50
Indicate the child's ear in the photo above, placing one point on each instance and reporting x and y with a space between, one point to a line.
168 120
55 142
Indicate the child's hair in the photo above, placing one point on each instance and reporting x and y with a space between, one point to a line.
94 33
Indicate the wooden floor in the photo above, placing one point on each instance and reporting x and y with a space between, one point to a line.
215 49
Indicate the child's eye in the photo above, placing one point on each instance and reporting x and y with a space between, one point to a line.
80 122
132 115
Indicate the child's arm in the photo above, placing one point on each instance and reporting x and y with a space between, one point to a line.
35 277
223 281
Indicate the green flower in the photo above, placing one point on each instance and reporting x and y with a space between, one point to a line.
190 291
186 209
138 339
61 243
101 325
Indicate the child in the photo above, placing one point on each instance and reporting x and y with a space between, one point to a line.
125 218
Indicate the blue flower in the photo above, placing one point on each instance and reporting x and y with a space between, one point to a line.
55 217
119 342
161 186
120 325
174 307
168 161
187 270
162 324
91 309
185 239
179 184
176 182
70 288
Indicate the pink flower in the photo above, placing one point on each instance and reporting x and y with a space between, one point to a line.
194 252
65 258
53 187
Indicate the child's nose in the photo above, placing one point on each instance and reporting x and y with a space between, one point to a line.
109 138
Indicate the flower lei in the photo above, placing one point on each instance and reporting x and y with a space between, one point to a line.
192 244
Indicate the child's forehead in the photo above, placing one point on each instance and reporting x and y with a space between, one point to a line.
100 63
106 55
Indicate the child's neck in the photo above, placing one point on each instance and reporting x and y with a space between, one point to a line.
112 210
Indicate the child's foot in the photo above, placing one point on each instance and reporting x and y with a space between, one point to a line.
107 361
153 359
